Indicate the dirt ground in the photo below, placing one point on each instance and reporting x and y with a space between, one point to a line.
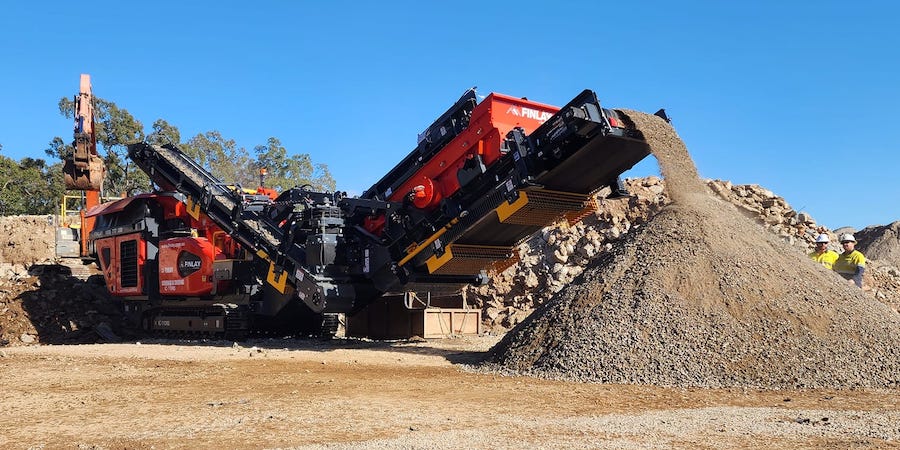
423 394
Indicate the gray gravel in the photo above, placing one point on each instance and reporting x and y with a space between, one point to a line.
714 427
702 296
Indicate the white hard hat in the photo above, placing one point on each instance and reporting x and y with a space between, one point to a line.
822 238
847 237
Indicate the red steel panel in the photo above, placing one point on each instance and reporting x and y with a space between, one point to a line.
186 266
491 120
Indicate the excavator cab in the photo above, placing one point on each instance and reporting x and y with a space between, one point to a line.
83 169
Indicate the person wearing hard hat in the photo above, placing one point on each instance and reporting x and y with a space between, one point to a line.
821 254
851 263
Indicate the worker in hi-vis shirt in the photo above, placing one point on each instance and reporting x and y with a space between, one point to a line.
822 254
851 264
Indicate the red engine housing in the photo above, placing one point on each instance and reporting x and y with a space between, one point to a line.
186 266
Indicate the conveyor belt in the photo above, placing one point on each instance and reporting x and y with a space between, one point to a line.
548 175
171 169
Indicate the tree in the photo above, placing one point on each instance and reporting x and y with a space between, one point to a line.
57 149
285 172
222 157
163 133
29 186
115 129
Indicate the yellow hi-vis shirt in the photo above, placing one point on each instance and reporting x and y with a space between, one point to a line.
826 258
847 263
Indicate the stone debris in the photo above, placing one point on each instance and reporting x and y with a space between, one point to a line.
44 303
700 294
555 257
880 242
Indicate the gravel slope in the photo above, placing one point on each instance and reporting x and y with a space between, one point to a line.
702 296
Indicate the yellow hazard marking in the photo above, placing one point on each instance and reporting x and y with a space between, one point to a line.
507 209
435 262
277 280
418 249
193 208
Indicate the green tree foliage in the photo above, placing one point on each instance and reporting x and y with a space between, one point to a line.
163 133
222 157
286 171
115 128
30 186
57 149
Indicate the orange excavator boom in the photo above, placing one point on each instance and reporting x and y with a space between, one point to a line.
83 169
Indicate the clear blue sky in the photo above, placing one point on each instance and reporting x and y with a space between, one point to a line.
800 97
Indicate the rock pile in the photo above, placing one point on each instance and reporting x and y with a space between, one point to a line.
44 303
702 296
41 299
27 239
881 242
552 259
772 211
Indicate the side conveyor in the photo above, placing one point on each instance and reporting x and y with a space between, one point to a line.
171 169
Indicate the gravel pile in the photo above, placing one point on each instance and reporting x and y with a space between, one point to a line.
703 296
552 259
27 239
881 242
45 299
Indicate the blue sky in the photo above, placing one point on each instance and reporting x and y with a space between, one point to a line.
802 98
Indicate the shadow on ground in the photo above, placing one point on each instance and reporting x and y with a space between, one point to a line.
65 309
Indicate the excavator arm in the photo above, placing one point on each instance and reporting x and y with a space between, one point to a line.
83 168
83 171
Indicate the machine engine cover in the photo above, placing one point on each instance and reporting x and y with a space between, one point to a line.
186 266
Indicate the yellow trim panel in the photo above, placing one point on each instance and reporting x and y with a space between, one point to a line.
418 249
435 262
507 209
193 208
279 280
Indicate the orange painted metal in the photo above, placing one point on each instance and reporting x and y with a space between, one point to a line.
491 120
186 266
114 264
83 169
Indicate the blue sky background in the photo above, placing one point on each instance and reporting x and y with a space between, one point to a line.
799 97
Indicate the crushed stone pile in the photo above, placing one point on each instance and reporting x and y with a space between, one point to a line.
702 296
880 242
46 300
27 239
552 259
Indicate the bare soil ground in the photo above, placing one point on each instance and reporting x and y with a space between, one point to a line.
434 394
351 394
